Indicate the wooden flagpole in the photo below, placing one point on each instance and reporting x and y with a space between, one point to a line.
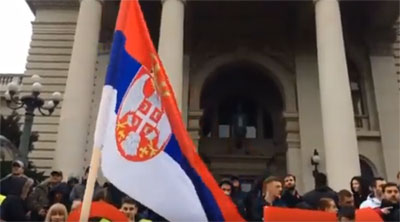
90 184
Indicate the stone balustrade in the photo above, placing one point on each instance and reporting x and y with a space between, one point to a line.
6 78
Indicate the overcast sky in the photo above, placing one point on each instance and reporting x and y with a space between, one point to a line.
16 31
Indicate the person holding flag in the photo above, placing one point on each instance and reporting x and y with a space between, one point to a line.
145 149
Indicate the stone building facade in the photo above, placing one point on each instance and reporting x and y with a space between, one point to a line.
308 75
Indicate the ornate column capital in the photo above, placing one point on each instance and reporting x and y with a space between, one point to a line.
182 1
316 1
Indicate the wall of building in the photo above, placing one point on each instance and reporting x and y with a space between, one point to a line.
370 147
387 94
49 56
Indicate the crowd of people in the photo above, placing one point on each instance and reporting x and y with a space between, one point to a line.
51 200
381 196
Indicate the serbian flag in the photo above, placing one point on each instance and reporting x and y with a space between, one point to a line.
146 151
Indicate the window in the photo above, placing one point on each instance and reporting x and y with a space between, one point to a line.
223 131
358 97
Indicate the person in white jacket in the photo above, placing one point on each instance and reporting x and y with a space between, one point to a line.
374 200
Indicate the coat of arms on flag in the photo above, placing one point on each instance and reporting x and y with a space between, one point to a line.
142 129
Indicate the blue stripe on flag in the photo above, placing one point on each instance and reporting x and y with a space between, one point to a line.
121 69
207 200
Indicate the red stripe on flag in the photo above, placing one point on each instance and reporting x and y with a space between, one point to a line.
138 42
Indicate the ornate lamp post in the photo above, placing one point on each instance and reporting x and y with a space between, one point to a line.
315 159
30 103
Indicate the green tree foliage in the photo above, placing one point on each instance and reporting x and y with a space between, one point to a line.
10 128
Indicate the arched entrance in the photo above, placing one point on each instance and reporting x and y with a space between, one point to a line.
242 127
368 169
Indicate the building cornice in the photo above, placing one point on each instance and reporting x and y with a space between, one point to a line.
52 4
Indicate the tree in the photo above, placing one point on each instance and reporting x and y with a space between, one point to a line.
10 128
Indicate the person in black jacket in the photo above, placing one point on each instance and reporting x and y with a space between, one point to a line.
238 196
60 194
290 195
321 190
390 202
254 199
271 193
360 190
16 183
346 214
13 209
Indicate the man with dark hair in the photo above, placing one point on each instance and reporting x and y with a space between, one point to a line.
290 195
374 200
130 208
321 190
390 202
226 187
346 214
346 199
327 204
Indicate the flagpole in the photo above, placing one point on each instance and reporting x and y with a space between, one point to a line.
87 198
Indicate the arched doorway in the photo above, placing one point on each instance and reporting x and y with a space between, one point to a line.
242 127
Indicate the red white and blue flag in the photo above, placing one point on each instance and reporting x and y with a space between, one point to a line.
146 150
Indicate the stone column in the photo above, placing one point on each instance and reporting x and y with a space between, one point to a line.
342 161
75 112
170 47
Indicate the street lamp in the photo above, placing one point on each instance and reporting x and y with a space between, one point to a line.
315 159
30 103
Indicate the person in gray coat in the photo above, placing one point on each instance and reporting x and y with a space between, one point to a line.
79 189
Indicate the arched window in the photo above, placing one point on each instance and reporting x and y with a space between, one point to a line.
237 93
367 169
